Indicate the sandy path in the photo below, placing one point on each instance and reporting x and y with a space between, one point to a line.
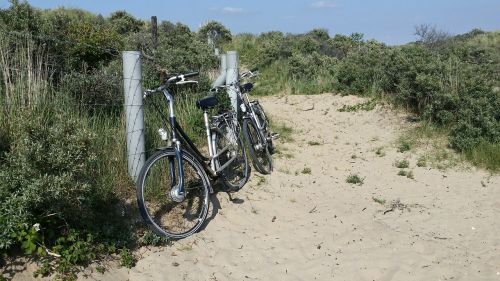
298 226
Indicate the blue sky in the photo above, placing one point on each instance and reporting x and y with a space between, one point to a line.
390 21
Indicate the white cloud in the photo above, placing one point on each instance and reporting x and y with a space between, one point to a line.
323 5
232 10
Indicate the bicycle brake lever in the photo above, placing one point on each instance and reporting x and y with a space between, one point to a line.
186 82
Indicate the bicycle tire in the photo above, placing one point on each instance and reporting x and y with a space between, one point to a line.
264 122
258 148
163 215
237 173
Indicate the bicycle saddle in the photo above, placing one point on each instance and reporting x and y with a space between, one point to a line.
207 102
246 87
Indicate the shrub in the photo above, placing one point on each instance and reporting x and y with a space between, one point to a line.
402 164
361 71
99 88
478 117
271 47
355 179
47 177
216 31
124 23
91 45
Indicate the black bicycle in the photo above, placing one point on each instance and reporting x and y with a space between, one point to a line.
174 185
256 128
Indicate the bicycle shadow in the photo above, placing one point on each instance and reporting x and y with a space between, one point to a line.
216 205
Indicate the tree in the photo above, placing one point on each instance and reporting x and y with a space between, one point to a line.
21 17
430 35
214 32
124 23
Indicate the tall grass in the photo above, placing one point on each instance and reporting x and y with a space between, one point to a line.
32 106
486 155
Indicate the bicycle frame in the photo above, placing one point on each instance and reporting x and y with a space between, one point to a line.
210 164
248 108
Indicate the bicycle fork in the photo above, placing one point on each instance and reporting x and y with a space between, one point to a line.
177 193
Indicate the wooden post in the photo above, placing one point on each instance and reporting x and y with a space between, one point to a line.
154 31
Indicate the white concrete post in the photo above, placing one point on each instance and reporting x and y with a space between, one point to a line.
221 79
132 87
232 76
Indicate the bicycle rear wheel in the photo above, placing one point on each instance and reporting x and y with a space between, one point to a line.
258 147
237 170
162 214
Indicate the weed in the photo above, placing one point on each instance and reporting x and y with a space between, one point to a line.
380 201
306 170
402 164
101 269
285 132
354 156
127 259
410 175
398 205
44 270
403 173
313 143
261 181
380 152
422 162
366 106
404 146
151 239
355 179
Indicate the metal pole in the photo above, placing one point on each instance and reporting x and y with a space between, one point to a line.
221 79
134 112
232 78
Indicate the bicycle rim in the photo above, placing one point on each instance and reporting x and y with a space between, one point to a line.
166 217
258 148
237 172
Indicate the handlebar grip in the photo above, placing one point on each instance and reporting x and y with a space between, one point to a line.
191 74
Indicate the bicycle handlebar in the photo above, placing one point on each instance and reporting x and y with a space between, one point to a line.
182 77
251 73
178 79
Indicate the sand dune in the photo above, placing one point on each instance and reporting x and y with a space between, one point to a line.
295 225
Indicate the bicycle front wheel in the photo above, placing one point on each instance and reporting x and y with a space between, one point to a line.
232 160
163 215
264 123
258 148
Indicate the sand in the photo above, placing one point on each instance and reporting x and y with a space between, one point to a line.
296 225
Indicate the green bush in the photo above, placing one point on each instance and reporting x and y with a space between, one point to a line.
91 45
216 31
271 47
361 71
124 23
47 176
98 89
478 116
